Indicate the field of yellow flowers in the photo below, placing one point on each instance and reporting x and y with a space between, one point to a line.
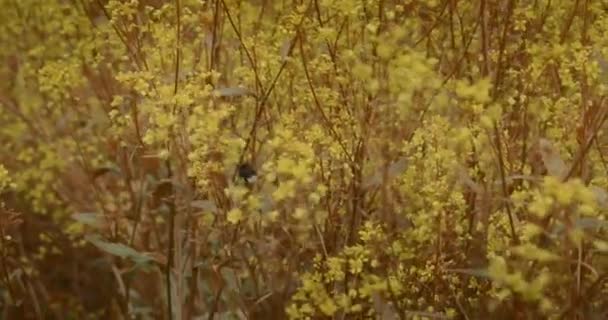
303 159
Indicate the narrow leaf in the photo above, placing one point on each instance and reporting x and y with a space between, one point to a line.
89 218
384 309
480 273
206 205
394 169
285 49
552 159
233 92
119 249
601 196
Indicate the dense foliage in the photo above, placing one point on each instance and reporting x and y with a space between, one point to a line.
415 159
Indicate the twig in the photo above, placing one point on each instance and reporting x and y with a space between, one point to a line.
505 192
172 211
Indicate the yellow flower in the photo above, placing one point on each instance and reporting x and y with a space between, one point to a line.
234 216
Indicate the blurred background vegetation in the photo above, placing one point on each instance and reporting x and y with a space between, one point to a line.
415 159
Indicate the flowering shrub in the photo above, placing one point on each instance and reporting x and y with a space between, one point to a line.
420 159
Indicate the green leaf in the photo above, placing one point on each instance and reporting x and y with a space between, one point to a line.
206 205
233 92
285 49
552 159
119 249
591 223
601 196
394 169
585 223
89 218
98 172
480 273
384 309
